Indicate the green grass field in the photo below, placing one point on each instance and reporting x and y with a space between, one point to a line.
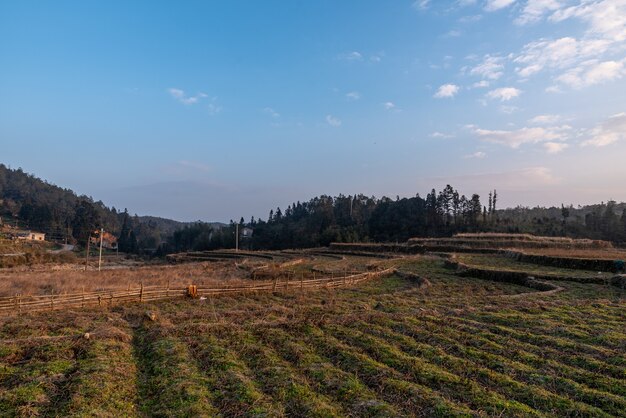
387 348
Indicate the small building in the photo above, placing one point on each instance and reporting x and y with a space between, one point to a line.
31 236
246 232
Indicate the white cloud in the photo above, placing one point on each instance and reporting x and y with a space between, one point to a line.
446 91
491 68
595 57
480 84
555 147
535 10
606 18
440 135
470 18
389 105
558 54
509 110
525 135
421 4
477 154
180 95
214 109
545 119
504 93
608 132
592 72
351 56
454 33
353 96
270 111
333 121
493 5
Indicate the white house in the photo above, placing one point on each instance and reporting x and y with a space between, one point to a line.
31 236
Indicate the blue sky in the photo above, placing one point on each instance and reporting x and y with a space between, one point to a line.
214 110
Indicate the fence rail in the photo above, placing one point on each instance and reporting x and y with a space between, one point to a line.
29 303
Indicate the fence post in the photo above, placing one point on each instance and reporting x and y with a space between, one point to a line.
141 293
274 286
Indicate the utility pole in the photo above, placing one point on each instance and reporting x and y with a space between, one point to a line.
101 238
237 237
351 207
87 254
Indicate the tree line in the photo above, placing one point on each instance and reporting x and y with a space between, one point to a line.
355 218
31 203
60 213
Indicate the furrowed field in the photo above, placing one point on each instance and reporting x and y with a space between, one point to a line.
424 341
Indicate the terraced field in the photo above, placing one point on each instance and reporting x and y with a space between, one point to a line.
501 262
393 347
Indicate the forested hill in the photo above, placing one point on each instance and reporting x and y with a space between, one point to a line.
360 218
33 203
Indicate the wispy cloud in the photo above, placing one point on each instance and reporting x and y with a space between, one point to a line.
183 98
545 119
353 96
555 147
440 135
480 84
453 33
270 111
470 18
333 121
491 68
493 5
595 57
526 135
477 154
214 108
446 91
421 4
592 72
504 94
535 10
608 132
390 106
351 56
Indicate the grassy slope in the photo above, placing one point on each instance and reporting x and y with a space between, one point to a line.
461 347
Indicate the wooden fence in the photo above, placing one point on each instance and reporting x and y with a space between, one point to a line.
29 303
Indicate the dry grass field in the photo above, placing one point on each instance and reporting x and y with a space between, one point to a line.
390 347
72 278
